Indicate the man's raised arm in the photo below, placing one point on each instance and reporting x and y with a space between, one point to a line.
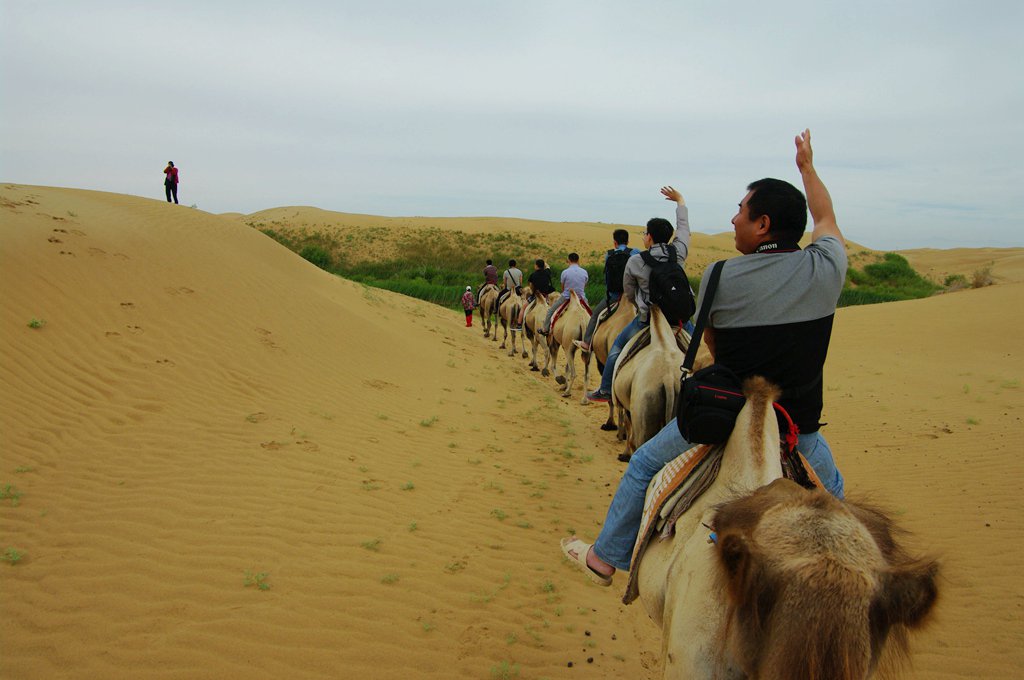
818 200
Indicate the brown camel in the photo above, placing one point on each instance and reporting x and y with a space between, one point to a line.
797 586
646 383
488 307
508 314
604 336
569 326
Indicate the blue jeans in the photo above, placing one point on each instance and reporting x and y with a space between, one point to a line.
631 329
615 543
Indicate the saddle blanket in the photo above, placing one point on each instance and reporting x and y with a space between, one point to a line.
562 307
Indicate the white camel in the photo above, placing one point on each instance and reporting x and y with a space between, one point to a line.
569 326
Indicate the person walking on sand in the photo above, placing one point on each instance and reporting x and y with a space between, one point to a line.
467 304
772 316
171 182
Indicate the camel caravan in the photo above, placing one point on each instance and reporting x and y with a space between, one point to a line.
730 520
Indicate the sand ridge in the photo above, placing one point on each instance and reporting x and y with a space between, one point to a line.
200 403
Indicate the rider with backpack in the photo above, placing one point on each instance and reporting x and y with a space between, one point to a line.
655 275
614 270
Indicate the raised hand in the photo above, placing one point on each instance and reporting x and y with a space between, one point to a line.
671 194
804 153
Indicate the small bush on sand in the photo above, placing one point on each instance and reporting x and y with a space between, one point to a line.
982 278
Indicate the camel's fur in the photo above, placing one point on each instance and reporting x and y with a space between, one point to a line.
488 307
508 312
644 388
570 326
604 337
799 586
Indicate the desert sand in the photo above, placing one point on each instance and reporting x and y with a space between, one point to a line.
197 408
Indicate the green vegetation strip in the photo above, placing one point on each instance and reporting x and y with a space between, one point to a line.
436 265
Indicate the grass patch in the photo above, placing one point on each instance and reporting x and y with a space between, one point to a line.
427 422
388 579
408 486
373 545
8 492
36 323
505 671
11 556
258 580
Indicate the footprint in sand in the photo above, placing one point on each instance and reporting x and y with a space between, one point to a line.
97 252
61 231
78 232
112 334
121 256
308 445
257 417
54 239
182 290
127 305
272 445
135 329
67 252
165 362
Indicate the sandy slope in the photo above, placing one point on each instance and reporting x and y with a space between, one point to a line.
201 403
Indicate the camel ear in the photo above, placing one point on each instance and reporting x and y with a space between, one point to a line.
734 553
909 593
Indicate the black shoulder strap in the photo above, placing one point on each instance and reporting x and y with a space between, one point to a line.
702 317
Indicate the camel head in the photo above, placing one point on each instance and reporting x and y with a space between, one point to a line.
817 588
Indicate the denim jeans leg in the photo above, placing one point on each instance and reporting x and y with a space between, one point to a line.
631 329
615 543
817 452
594 313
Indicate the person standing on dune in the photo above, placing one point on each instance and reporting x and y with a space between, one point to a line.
171 182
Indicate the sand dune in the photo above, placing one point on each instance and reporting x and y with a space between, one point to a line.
200 404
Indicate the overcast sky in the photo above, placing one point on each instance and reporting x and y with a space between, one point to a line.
558 110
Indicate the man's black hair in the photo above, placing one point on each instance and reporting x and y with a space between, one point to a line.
488 262
784 205
573 257
539 263
620 236
659 229
511 263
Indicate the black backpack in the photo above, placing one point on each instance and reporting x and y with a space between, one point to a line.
669 287
615 269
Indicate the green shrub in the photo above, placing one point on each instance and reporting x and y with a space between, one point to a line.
318 256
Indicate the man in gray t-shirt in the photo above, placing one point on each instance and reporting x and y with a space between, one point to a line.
772 315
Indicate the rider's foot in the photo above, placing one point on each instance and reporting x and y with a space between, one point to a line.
542 331
585 346
598 395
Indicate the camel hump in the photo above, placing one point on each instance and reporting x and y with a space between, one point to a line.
661 330
758 390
